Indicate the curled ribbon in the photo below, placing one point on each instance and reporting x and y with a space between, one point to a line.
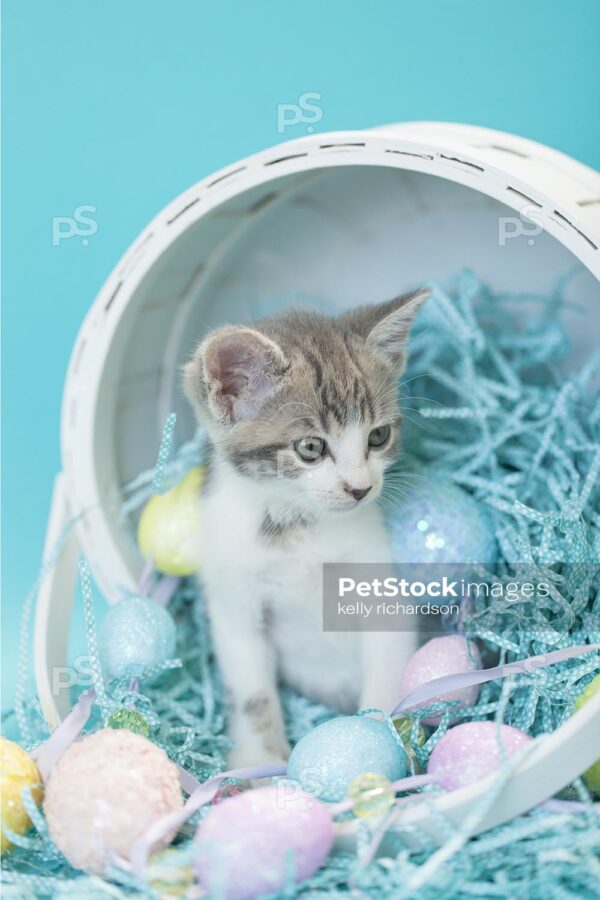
420 695
447 683
200 794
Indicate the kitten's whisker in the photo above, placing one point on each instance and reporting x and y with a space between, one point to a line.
394 474
385 386
406 381
420 423
412 397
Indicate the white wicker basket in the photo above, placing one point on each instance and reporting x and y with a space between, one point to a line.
348 216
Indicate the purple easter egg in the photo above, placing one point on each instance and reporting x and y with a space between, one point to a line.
251 844
440 656
471 751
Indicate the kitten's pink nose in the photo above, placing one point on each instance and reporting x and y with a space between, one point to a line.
357 493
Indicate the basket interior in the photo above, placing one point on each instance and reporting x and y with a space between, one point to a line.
335 238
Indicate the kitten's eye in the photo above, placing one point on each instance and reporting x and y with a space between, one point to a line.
380 436
310 449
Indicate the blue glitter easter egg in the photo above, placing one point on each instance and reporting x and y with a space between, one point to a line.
136 635
328 758
435 521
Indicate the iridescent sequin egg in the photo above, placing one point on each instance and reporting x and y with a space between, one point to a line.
435 521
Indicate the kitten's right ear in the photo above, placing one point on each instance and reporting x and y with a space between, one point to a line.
234 371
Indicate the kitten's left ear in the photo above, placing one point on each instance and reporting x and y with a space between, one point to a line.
385 326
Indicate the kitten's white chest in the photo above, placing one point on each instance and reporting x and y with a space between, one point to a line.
304 651
280 574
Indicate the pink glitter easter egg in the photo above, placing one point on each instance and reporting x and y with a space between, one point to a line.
249 845
471 751
440 656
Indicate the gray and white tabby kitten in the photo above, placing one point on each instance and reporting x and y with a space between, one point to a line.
303 417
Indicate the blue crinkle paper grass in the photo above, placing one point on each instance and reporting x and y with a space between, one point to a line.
487 404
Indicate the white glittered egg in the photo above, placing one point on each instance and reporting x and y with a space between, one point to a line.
104 792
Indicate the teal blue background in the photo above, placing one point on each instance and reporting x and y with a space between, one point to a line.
121 104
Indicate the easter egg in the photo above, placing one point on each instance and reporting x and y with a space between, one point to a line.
592 775
330 756
252 844
168 527
17 771
471 751
104 792
137 634
435 521
447 655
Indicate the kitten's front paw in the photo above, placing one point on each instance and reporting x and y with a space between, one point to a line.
257 728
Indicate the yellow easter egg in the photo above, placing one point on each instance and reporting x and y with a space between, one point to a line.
168 527
591 776
17 771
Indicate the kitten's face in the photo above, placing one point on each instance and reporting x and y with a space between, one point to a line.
329 433
307 404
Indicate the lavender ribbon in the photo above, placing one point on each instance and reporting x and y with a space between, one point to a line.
165 589
48 753
403 784
62 737
172 822
145 582
426 692
448 683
